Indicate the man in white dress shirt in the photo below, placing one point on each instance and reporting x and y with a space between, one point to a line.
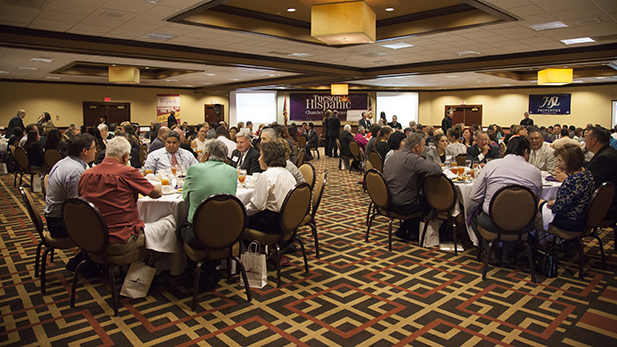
170 156
223 136
541 155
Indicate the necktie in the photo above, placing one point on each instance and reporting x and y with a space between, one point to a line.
174 160
241 160
534 157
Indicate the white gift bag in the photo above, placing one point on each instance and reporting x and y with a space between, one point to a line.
432 233
37 185
138 280
255 266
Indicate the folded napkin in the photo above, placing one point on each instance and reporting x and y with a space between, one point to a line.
155 181
449 174
547 216
551 178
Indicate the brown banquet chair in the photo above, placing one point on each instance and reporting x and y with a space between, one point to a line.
24 164
52 156
309 220
308 172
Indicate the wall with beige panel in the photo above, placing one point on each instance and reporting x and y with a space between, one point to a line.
591 104
65 101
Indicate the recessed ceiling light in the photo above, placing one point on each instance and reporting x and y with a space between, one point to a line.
546 26
452 76
466 53
27 68
505 85
188 85
578 81
52 78
397 45
234 79
291 9
5 72
158 36
301 55
601 77
209 74
579 40
171 80
147 67
389 9
42 60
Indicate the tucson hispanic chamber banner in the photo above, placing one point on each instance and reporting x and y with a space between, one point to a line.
550 103
165 103
310 107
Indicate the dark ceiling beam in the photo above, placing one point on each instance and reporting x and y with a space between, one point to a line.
303 80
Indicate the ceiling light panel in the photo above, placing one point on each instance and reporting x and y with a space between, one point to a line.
547 26
397 45
578 40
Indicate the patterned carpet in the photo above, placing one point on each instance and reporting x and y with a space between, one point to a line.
357 294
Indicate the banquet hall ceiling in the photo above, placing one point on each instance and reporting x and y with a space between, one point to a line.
39 38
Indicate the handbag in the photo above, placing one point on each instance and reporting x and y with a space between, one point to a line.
37 185
255 266
138 280
547 264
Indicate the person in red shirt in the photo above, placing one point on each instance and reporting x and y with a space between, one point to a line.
113 187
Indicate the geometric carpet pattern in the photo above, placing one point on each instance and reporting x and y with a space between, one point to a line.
357 294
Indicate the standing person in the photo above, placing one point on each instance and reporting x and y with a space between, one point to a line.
512 169
171 120
405 175
482 149
327 115
113 187
365 122
394 124
446 122
16 121
334 130
526 120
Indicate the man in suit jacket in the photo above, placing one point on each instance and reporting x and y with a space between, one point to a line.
446 122
171 120
482 149
311 141
603 165
365 122
16 121
245 156
541 154
334 130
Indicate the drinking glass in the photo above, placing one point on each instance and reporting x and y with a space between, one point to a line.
241 176
461 171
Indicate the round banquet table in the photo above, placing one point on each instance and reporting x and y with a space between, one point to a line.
151 210
463 191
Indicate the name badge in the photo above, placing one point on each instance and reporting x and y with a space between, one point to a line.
235 159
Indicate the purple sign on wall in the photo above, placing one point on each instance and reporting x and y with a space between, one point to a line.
549 103
311 107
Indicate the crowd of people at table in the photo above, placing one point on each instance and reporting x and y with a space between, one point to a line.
100 164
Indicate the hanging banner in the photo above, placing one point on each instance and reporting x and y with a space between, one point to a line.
308 107
549 103
165 103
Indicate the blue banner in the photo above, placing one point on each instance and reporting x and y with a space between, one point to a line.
549 103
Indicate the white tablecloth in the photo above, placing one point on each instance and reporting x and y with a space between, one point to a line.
463 191
151 210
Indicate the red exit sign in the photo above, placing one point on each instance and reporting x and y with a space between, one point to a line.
107 99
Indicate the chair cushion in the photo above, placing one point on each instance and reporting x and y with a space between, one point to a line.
123 259
261 237
60 243
564 234
489 235
306 220
198 255
400 216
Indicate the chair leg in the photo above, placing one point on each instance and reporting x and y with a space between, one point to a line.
44 267
196 284
486 257
424 232
316 238
454 237
114 296
368 213
601 251
37 259
479 249
51 254
368 227
390 235
278 265
581 264
249 297
303 253
229 266
75 279
531 263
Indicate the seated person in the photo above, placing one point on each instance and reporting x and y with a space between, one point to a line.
211 177
542 155
396 141
245 157
269 135
54 141
159 140
271 189
482 149
199 142
575 192
382 146
170 156
345 138
359 137
311 141
135 162
113 187
34 149
455 148
437 155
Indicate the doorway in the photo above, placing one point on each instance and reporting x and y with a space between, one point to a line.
467 114
116 112
214 113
